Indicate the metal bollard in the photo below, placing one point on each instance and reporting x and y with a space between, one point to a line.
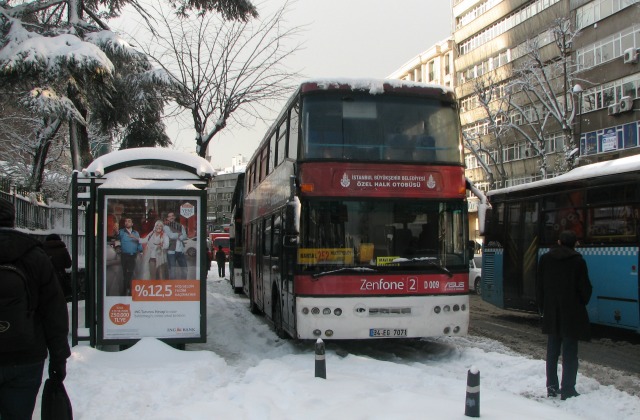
321 366
472 403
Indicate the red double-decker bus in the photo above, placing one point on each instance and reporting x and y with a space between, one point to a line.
355 214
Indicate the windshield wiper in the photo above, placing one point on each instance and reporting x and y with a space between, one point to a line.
326 273
429 260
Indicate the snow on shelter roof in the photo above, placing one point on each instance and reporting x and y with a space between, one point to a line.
609 167
149 167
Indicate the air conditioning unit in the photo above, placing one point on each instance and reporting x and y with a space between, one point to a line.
614 109
626 104
631 56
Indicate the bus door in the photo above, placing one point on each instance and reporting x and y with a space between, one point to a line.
274 286
520 255
282 276
264 266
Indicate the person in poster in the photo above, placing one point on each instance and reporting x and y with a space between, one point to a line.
154 257
130 247
175 254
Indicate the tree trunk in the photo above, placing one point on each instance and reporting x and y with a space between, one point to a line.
42 150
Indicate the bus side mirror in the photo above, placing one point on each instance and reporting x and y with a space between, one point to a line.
292 218
485 212
290 241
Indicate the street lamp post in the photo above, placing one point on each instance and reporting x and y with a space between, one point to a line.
577 90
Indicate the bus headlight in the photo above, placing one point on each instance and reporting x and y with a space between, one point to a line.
456 308
337 312
446 308
328 333
447 330
456 330
326 311
305 310
315 311
436 309
317 333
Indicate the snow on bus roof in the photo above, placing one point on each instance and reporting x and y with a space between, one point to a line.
609 167
100 165
374 86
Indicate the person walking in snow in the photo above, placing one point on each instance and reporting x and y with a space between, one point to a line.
563 291
61 260
23 355
221 257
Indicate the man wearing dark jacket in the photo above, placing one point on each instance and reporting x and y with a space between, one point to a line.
563 292
21 370
61 260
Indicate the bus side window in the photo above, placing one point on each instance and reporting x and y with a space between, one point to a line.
292 142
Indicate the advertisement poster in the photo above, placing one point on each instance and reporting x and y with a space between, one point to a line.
609 140
151 279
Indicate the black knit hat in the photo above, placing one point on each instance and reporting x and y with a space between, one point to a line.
7 213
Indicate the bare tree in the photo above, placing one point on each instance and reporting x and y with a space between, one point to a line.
60 61
547 86
226 71
483 145
536 98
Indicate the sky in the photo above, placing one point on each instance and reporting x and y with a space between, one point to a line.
245 372
355 39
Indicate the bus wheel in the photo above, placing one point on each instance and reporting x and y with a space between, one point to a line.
277 319
477 286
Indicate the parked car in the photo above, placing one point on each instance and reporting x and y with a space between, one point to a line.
475 274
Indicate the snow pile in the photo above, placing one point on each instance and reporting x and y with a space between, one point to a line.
245 372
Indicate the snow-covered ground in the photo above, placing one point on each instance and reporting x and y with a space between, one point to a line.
245 372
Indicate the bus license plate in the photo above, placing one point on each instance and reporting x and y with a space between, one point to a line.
387 332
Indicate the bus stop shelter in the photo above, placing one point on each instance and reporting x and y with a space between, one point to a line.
145 247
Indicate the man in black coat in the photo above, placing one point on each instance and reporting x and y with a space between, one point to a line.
221 258
61 260
21 370
563 292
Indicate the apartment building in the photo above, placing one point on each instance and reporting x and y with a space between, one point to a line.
434 65
220 192
490 38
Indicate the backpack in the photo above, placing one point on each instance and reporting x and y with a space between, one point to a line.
17 314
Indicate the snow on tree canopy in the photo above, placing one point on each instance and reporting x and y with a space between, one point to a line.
30 49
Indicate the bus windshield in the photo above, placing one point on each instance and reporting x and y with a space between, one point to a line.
386 235
373 128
